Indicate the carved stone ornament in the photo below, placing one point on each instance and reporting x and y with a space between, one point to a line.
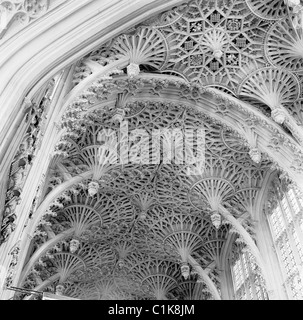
93 188
14 260
143 215
118 115
216 219
276 143
20 11
133 70
255 155
121 263
297 163
278 115
60 289
185 270
74 245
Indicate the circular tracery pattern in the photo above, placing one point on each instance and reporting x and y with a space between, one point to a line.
284 46
157 277
84 212
265 86
214 42
234 141
217 41
147 46
268 9
81 217
212 191
192 290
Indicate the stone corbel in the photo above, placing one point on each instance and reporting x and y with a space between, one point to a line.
278 114
252 139
133 70
281 116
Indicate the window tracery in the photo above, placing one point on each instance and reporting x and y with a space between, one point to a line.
248 282
283 39
285 221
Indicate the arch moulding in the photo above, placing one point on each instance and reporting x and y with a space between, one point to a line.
56 40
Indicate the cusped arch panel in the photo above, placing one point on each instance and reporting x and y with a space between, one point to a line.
96 254
81 217
146 46
211 191
284 46
159 285
66 263
193 290
82 291
272 86
158 277
268 9
234 141
246 197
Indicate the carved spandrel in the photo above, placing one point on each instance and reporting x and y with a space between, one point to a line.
21 12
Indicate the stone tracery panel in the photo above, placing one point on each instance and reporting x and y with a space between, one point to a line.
268 9
283 46
138 47
218 41
265 85
157 277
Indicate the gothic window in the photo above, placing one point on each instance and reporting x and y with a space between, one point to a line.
286 225
247 280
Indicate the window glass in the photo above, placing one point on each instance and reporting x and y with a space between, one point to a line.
287 232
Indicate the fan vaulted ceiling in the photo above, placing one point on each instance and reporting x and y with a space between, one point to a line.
155 226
